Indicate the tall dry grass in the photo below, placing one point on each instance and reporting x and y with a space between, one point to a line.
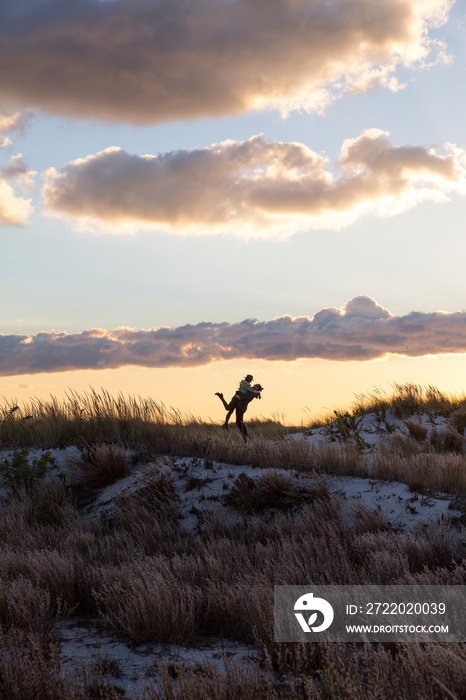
322 672
30 669
174 586
98 417
88 418
136 569
406 401
421 472
409 399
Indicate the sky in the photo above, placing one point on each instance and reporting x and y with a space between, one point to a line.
195 190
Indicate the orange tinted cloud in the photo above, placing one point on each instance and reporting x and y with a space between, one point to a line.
360 330
14 121
14 210
146 61
254 187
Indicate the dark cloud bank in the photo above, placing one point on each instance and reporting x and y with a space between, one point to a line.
361 330
146 61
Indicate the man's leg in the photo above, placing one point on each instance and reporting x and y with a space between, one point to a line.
240 423
228 416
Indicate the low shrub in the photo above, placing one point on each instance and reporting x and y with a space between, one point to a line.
147 603
48 504
416 430
217 680
447 440
334 459
458 419
274 490
19 474
428 471
101 465
30 668
28 607
366 519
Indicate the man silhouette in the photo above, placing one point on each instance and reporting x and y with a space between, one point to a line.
240 401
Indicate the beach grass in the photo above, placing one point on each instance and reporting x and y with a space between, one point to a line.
141 574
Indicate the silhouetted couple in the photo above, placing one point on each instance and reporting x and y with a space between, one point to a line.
239 403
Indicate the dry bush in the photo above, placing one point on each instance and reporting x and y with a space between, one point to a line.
30 668
231 449
226 586
398 671
447 440
216 680
405 401
433 471
245 494
210 442
146 602
409 399
93 680
339 460
154 491
453 575
402 446
416 430
458 419
241 608
150 514
258 453
274 490
101 465
295 452
379 558
291 452
312 545
45 569
48 504
417 549
321 671
385 557
360 672
366 519
444 542
29 608
41 521
148 534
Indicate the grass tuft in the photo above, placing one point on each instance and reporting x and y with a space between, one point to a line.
101 465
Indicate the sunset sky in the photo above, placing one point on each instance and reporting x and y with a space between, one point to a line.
194 190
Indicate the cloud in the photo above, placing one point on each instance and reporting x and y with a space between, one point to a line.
146 61
252 188
14 210
361 330
14 121
17 170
